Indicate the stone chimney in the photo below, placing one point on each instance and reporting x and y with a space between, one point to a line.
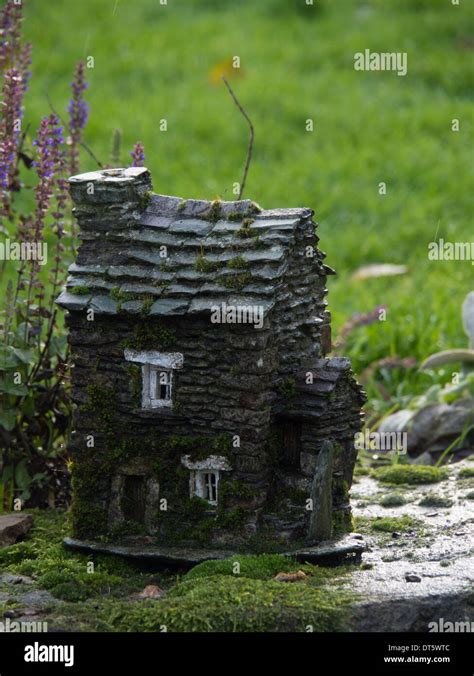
105 200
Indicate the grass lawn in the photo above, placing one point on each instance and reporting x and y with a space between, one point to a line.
154 62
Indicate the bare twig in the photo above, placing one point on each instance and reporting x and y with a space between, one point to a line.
250 145
89 151
81 143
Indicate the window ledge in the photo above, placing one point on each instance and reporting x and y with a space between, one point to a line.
162 412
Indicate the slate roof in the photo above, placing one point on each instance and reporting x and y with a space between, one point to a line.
334 384
232 252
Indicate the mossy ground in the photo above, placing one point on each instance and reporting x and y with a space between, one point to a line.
394 524
410 474
64 573
231 603
214 596
387 524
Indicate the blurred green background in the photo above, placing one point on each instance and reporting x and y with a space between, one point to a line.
154 62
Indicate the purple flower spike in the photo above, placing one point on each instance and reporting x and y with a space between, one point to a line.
138 155
78 113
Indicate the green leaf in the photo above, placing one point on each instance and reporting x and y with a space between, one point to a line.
448 357
8 420
26 356
22 476
39 477
20 332
11 388
7 474
8 360
58 346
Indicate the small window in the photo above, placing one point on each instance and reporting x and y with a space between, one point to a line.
158 376
204 484
157 387
160 385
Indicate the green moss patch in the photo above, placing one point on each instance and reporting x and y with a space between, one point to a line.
466 473
229 604
237 263
214 213
150 336
237 281
203 265
394 524
80 290
433 500
262 567
65 573
288 387
410 474
393 500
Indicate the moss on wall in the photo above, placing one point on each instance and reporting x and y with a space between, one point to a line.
342 522
150 335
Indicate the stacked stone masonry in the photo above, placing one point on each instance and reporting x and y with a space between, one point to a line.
154 277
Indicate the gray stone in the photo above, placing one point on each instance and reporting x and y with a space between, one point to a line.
432 428
192 227
388 601
320 522
411 577
188 557
168 306
14 527
103 305
71 301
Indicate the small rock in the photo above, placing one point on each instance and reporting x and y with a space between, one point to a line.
432 514
9 578
411 577
39 598
13 527
290 577
357 536
396 534
151 591
21 612
22 579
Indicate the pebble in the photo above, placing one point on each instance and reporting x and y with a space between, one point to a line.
151 591
411 577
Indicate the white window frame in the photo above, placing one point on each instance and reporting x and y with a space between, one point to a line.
199 472
201 485
151 379
154 366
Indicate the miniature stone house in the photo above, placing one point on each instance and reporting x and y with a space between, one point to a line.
207 411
